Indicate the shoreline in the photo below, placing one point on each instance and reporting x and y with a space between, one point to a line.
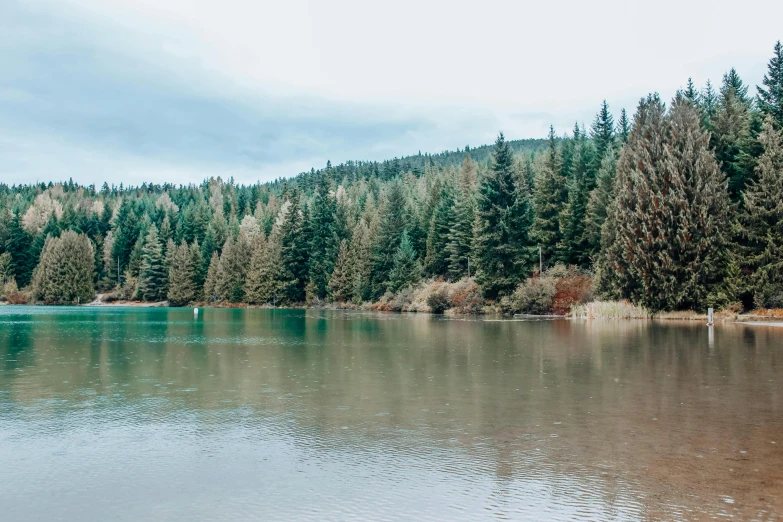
749 319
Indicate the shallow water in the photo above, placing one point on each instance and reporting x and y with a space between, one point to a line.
152 414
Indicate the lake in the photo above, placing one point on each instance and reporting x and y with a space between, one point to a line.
153 414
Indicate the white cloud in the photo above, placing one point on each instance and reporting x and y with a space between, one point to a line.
269 85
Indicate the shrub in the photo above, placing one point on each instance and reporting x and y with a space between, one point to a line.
534 296
571 290
439 301
466 297
556 291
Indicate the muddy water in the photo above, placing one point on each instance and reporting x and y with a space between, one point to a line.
152 414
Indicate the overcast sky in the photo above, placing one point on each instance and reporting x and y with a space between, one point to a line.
179 90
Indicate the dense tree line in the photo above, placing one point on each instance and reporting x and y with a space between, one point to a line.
675 207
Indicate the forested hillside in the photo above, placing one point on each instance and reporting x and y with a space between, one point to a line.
678 207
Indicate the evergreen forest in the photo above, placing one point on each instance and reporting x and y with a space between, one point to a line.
676 206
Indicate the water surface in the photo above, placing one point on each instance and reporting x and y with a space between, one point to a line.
152 414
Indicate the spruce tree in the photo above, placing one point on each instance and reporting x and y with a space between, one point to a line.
210 283
294 247
598 203
323 240
623 127
406 270
461 222
731 133
549 198
501 243
436 261
762 221
666 233
602 133
182 286
265 275
66 269
19 245
770 97
573 248
152 272
360 262
199 272
393 220
340 285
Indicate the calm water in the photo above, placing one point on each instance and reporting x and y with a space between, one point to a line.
150 414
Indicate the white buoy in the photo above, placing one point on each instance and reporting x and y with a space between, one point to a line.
195 312
710 317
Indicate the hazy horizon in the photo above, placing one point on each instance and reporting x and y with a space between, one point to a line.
171 91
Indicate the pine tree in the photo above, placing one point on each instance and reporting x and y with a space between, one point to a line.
501 244
598 203
295 243
691 93
340 284
770 97
19 245
461 222
573 248
182 285
623 127
199 273
393 220
708 101
437 256
265 275
152 273
210 283
234 260
323 241
762 220
406 270
360 262
665 237
731 133
549 198
602 133
66 269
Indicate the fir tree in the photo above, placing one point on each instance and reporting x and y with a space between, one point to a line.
340 285
731 133
152 272
602 133
770 97
19 245
182 285
573 248
65 272
762 220
461 222
360 262
598 203
265 275
501 244
294 246
406 270
323 240
437 256
549 198
623 127
393 219
665 236
691 93
210 283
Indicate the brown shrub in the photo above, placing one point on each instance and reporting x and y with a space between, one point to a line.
571 290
